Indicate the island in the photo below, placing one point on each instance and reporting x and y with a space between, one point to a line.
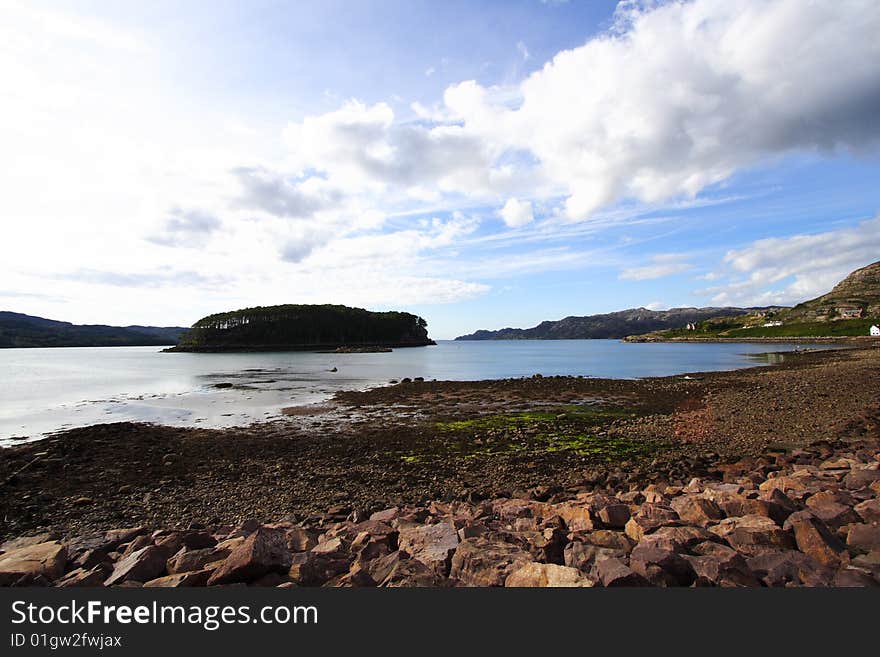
302 327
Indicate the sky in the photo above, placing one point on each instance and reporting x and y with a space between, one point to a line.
481 164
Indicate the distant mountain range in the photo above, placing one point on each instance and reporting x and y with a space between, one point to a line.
613 325
18 330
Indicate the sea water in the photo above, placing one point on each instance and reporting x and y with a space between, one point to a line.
45 390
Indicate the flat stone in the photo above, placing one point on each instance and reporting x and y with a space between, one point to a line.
140 566
83 577
181 580
37 560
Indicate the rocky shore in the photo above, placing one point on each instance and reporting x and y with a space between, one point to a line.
810 517
762 477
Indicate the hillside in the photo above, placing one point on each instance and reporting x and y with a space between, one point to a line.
303 327
612 325
848 310
19 330
860 291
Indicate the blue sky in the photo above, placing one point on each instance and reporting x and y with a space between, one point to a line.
483 164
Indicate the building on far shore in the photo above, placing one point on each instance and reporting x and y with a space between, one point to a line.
691 326
767 324
849 312
875 331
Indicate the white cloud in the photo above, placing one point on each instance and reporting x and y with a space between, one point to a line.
657 305
517 213
661 265
682 95
788 270
523 50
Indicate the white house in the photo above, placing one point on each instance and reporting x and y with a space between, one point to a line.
875 331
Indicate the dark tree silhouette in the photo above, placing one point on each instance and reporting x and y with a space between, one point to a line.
293 327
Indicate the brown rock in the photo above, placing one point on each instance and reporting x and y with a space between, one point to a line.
485 562
753 534
27 541
138 543
614 515
613 572
696 510
180 580
263 551
676 539
661 567
39 560
116 537
854 578
858 479
869 510
864 536
300 539
311 569
83 577
433 545
583 556
719 565
187 560
536 574
388 515
398 570
640 525
790 568
141 566
577 517
815 539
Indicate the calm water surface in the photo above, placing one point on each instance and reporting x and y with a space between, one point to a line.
43 390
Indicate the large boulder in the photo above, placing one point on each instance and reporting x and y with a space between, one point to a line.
31 561
263 551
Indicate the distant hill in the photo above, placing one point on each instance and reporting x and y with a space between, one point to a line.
612 325
849 310
19 330
858 293
303 327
